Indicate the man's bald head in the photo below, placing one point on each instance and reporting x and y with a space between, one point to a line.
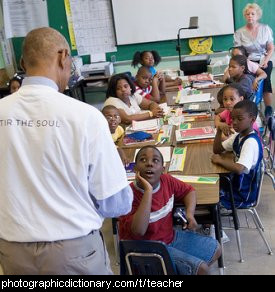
41 46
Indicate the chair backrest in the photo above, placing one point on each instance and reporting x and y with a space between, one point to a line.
260 177
145 257
259 93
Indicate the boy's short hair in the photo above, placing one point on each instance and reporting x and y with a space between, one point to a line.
248 106
109 107
149 146
143 68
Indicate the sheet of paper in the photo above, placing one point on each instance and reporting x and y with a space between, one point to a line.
22 16
100 57
178 159
197 179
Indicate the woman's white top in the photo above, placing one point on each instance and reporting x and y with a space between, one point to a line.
256 47
135 101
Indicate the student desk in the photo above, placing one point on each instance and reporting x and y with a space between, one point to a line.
171 96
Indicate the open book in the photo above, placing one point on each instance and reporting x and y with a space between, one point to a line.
195 133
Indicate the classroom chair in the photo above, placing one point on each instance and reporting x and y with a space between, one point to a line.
145 257
269 149
252 210
258 97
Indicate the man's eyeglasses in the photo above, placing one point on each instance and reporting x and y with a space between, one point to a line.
73 67
115 117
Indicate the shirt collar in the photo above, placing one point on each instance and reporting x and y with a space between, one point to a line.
39 80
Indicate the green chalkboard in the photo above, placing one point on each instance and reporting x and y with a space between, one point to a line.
57 20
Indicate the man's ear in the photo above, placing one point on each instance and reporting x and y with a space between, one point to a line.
22 64
241 97
62 57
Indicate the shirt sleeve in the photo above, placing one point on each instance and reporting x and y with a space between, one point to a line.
270 38
228 143
138 98
252 66
249 154
103 181
223 116
116 205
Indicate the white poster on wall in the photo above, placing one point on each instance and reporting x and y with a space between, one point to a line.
93 26
22 16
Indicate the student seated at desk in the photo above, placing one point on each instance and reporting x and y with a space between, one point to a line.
223 120
150 59
131 106
248 152
151 217
239 73
147 86
253 68
112 116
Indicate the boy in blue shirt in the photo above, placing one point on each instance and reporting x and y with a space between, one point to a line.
248 152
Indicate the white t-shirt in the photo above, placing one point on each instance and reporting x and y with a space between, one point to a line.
249 154
56 152
135 101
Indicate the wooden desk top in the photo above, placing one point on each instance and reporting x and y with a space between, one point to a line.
198 160
207 193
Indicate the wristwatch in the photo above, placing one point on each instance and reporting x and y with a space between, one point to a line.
150 114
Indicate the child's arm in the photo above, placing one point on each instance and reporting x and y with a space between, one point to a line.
127 119
217 147
226 129
260 74
124 158
228 164
153 107
155 89
141 218
162 85
226 75
189 202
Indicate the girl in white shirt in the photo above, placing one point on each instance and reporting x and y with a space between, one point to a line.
131 106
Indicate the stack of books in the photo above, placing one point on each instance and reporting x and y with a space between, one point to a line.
150 126
200 133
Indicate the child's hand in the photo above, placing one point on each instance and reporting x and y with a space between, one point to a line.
158 112
255 84
159 76
227 131
216 158
178 81
124 158
192 223
146 186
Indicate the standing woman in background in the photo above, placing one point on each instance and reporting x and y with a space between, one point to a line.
257 38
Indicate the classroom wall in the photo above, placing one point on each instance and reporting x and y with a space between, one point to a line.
57 20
